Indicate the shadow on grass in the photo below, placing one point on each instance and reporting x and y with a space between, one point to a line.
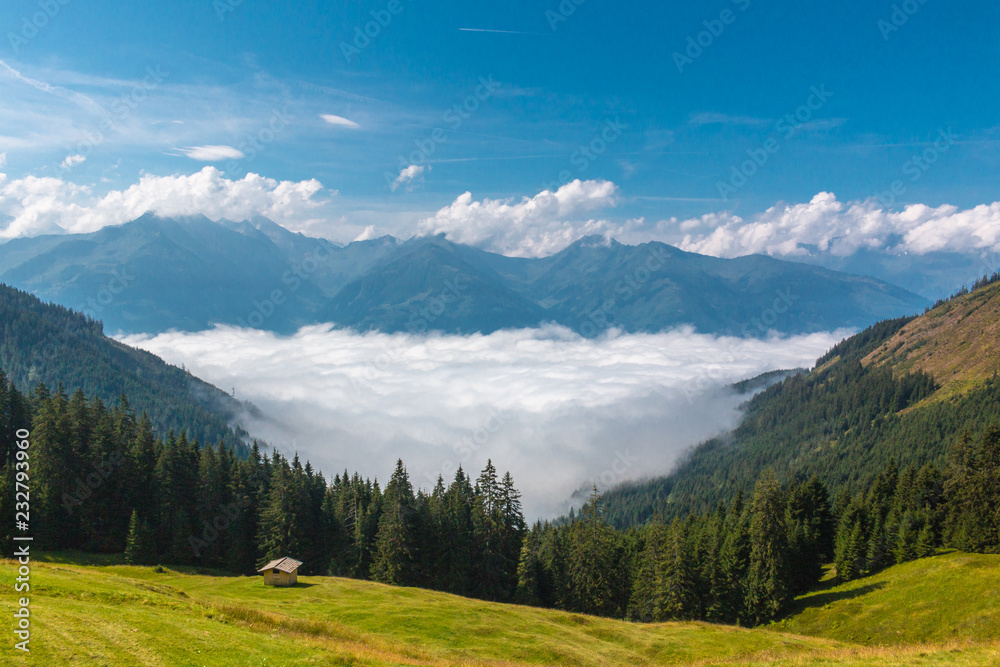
78 558
823 599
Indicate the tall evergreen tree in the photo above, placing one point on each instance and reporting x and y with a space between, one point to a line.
394 547
767 588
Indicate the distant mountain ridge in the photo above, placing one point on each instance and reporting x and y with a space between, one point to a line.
155 274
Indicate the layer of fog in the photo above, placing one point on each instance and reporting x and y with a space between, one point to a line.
558 411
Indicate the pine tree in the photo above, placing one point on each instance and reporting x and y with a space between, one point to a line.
735 561
528 568
905 548
138 545
278 515
394 546
590 560
490 576
675 582
642 604
767 591
852 542
513 531
926 541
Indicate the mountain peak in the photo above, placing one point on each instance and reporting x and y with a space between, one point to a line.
596 241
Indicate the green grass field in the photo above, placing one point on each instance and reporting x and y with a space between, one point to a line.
99 614
950 597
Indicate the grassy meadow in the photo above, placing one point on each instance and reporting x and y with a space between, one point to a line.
85 612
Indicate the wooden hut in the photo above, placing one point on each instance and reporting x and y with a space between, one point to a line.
281 572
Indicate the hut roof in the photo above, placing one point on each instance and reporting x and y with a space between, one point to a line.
284 564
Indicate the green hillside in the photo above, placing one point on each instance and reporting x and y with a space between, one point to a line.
43 342
952 596
118 615
903 390
958 342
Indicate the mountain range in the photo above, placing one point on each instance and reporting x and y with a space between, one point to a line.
155 274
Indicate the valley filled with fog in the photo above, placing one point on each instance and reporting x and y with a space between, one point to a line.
559 411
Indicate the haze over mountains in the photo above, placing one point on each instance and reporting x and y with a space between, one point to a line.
155 274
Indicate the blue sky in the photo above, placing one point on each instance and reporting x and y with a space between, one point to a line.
184 84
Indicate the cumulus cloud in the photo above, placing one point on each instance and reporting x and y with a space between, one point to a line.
72 160
51 205
212 153
339 121
409 174
839 228
549 221
532 227
557 410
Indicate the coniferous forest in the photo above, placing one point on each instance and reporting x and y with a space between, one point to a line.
102 481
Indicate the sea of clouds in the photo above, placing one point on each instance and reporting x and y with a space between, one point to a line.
559 411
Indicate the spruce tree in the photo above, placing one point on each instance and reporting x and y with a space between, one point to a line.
138 544
767 590
675 581
394 557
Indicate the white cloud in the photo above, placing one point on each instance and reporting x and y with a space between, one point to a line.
838 228
212 153
71 160
548 222
555 409
533 227
367 235
51 205
339 121
409 174
3 160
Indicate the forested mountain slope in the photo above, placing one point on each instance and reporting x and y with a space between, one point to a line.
903 390
41 342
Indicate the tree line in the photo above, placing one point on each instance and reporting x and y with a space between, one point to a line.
103 481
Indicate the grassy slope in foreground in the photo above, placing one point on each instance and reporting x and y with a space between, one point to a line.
952 596
118 615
